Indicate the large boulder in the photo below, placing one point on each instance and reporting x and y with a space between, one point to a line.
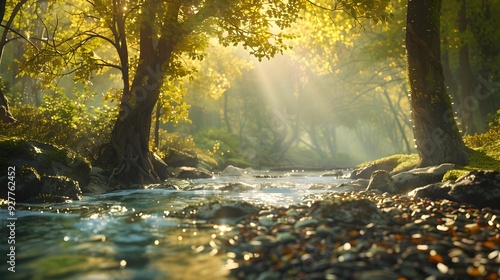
45 159
221 209
177 158
353 186
161 167
418 177
382 181
31 187
232 171
333 173
365 172
361 211
193 173
480 188
43 173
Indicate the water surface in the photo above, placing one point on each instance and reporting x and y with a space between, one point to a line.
132 234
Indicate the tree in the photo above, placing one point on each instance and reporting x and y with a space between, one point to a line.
5 114
168 29
436 134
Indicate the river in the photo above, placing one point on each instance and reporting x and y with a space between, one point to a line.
132 234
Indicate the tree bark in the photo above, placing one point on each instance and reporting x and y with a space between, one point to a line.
436 134
157 126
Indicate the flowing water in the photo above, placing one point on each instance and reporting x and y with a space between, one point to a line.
132 234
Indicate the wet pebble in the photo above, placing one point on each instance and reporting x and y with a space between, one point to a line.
305 223
408 238
285 237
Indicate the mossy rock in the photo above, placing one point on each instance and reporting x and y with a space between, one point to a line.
454 174
392 164
352 211
484 158
44 158
42 170
221 210
31 187
27 184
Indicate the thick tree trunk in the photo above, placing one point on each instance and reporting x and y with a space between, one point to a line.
134 163
436 134
130 136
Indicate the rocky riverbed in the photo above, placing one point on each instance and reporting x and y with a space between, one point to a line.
363 236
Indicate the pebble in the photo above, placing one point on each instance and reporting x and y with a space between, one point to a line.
305 223
415 239
285 237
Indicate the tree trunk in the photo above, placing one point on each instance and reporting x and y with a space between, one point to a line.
436 134
469 104
451 83
130 136
129 153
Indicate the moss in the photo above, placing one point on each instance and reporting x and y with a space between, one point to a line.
487 158
403 161
454 174
484 153
12 146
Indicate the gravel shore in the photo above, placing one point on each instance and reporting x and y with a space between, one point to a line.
399 238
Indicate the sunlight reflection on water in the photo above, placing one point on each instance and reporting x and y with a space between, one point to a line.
129 235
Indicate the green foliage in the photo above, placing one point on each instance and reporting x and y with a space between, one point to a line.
222 146
485 152
454 174
487 158
173 140
64 122
174 107
491 137
248 23
484 158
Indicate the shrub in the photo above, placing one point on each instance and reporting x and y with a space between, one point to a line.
63 122
490 137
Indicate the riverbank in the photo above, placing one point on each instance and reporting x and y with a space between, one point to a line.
401 238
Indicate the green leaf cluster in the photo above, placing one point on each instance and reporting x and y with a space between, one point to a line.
64 122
